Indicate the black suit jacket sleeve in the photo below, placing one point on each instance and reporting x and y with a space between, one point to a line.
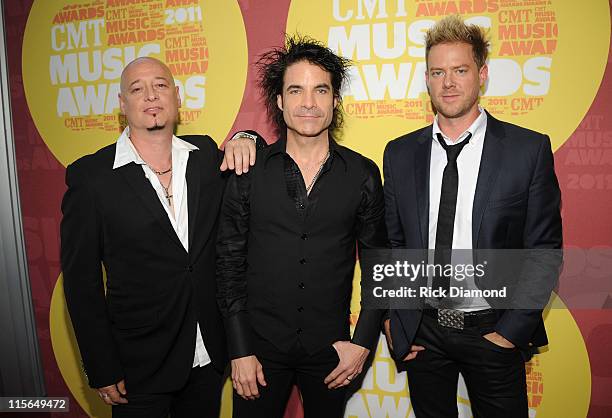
81 259
543 231
371 234
232 241
394 225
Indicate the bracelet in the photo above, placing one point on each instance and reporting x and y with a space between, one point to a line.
245 135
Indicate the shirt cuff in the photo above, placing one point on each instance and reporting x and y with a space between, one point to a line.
367 330
239 335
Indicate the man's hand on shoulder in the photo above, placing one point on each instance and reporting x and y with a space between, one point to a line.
247 372
240 152
352 357
113 394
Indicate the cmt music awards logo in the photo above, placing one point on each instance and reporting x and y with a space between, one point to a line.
74 52
531 60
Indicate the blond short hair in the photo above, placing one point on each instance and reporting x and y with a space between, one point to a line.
453 29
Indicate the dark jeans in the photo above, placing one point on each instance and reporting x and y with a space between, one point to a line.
282 370
199 398
494 376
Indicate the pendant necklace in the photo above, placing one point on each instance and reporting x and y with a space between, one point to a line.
167 189
316 176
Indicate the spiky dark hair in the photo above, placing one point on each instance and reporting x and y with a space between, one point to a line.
273 64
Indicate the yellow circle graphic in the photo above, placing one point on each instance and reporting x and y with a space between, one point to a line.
546 63
74 51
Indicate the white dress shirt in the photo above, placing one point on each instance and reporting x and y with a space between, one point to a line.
468 165
126 153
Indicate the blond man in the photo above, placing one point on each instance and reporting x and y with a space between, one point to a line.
469 181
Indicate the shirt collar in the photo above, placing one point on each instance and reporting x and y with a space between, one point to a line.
280 148
126 153
478 126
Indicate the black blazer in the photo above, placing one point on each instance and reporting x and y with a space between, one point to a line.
516 206
144 328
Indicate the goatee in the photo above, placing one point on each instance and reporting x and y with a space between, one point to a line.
156 127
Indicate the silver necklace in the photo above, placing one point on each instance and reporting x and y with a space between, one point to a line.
316 176
167 189
160 173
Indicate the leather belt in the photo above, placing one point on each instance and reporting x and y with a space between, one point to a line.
452 318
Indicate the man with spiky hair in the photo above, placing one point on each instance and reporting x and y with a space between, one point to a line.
287 243
469 181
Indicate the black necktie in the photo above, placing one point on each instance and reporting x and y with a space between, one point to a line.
446 211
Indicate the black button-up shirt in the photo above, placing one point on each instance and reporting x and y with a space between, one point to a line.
286 259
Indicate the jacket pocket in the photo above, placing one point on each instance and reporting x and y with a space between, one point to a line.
516 199
134 320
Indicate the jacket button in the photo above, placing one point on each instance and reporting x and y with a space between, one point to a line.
304 237
301 285
303 261
300 309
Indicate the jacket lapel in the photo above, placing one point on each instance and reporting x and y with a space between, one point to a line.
490 165
193 178
135 177
421 165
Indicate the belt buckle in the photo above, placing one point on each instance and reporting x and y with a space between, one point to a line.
451 318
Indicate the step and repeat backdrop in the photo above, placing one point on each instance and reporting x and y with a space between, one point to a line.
548 71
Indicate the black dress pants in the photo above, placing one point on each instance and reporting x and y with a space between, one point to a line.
494 376
199 398
284 369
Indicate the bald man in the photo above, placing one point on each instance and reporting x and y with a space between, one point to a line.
144 210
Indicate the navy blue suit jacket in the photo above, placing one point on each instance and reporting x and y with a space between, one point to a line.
516 206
